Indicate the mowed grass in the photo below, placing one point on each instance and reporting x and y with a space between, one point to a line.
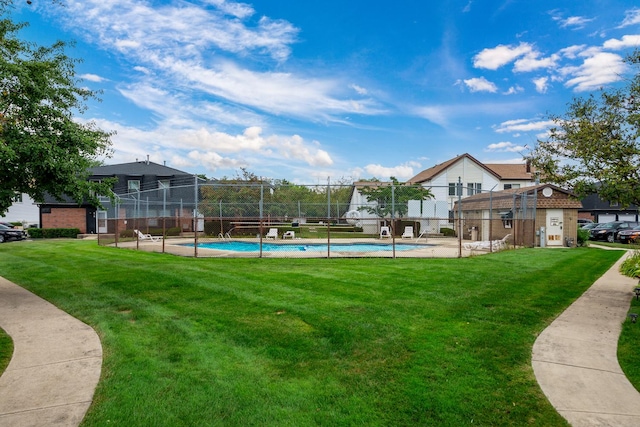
376 342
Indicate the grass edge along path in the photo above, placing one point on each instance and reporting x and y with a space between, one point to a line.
311 342
6 350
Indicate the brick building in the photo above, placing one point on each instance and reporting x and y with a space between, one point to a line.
143 182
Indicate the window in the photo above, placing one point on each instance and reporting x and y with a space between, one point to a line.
614 204
509 186
452 189
133 185
474 188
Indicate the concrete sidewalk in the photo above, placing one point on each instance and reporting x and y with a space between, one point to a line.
575 358
55 366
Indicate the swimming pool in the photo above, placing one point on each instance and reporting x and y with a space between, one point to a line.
309 247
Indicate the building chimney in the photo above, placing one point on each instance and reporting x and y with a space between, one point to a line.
147 159
528 166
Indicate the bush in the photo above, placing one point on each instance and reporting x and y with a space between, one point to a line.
583 236
448 232
53 233
631 266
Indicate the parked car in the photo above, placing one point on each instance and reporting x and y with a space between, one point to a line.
630 236
7 234
590 225
609 230
584 221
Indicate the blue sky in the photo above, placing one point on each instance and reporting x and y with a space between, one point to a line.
310 90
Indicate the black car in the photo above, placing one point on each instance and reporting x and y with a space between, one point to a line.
609 230
7 234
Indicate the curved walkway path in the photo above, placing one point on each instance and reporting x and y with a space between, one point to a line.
575 358
55 366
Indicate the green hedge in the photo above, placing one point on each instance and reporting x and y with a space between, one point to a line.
53 233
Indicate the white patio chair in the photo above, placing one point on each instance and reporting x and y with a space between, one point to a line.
385 232
289 234
142 236
408 232
272 234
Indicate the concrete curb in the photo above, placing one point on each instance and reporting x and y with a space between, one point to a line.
575 358
56 362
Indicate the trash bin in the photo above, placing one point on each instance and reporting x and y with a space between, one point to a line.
474 233
569 242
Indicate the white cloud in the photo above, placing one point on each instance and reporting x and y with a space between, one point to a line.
239 10
183 28
627 41
596 71
401 172
514 90
522 125
532 61
632 17
505 147
500 55
273 92
92 78
192 148
576 22
183 46
541 84
480 84
435 114
572 52
359 89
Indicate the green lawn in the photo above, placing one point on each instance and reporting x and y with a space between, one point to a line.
298 342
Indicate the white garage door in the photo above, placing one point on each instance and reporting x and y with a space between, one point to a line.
606 218
627 217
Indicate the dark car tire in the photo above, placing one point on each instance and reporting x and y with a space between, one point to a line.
610 238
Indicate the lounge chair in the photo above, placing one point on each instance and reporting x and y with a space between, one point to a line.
408 232
272 234
501 244
494 245
142 236
385 233
289 234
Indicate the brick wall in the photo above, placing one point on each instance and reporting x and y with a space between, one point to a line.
66 218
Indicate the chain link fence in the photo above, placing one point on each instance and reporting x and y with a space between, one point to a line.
368 219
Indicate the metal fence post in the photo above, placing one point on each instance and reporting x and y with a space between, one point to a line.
328 217
459 191
393 222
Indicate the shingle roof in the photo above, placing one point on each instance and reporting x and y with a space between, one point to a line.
136 168
513 170
558 199
503 171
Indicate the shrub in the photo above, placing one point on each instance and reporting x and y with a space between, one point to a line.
448 232
583 236
53 233
631 266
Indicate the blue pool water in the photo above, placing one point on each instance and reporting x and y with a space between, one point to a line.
312 247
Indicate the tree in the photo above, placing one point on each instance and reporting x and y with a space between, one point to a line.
42 148
594 146
392 198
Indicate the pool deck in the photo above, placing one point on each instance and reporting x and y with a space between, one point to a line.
436 247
